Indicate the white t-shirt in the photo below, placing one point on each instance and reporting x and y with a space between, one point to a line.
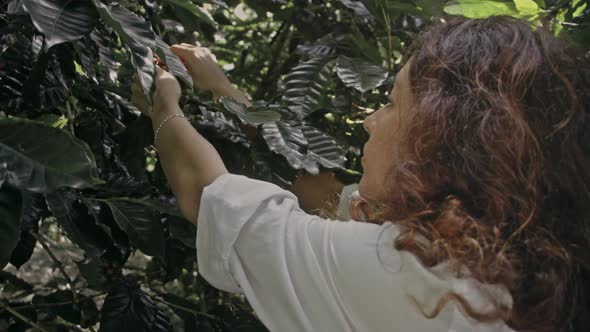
304 273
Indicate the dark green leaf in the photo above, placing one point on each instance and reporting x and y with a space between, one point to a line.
141 223
198 13
305 86
137 35
249 115
61 20
15 7
23 250
10 212
128 308
36 165
303 146
431 7
360 74
175 66
359 9
78 223
286 140
239 319
323 148
61 303
105 271
178 257
137 136
289 141
105 54
182 230
221 126
34 208
16 282
189 318
420 8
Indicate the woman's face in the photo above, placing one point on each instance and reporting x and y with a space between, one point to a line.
385 138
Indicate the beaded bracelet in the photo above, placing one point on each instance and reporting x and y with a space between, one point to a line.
163 122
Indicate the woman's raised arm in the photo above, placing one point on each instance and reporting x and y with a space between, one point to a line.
189 161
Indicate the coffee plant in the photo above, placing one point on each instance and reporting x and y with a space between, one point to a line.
90 236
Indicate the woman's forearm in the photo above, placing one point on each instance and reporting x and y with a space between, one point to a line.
189 161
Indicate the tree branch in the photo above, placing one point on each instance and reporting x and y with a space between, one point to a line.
186 309
70 116
21 317
56 304
59 264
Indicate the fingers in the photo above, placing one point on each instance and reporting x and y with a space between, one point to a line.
185 50
163 77
160 72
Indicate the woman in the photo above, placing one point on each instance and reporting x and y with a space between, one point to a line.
476 186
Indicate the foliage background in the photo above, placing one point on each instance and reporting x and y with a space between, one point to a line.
90 238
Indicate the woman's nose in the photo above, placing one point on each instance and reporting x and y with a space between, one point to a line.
369 122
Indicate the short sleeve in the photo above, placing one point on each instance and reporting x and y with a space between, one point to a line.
300 272
226 206
253 238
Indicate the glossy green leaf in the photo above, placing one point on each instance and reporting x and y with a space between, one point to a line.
359 9
360 74
303 146
61 20
175 66
77 222
323 148
127 308
481 8
288 141
10 215
15 7
182 230
33 208
525 9
137 35
104 272
141 223
199 13
249 115
223 127
305 86
36 165
85 313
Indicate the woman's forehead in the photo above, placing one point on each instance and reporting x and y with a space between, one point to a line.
397 82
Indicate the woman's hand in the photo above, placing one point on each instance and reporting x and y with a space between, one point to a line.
165 98
203 68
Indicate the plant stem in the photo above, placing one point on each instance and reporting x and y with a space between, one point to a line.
387 20
21 317
60 266
186 309
70 116
56 304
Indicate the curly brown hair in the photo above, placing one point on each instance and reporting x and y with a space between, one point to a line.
496 174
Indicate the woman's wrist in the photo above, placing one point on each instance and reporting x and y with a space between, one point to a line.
163 110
